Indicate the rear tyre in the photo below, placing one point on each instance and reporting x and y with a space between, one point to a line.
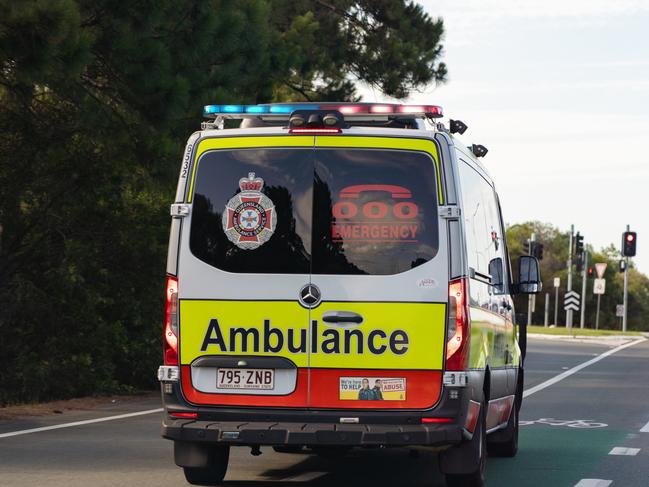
476 453
505 442
214 473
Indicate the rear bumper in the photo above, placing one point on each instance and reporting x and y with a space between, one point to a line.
300 433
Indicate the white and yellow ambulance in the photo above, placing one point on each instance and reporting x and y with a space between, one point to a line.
338 276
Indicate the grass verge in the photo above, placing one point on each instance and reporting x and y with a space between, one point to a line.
578 331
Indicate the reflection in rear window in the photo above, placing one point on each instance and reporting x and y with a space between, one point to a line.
287 176
374 212
324 211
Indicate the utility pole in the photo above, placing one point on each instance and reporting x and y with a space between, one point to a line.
530 297
583 288
625 300
569 285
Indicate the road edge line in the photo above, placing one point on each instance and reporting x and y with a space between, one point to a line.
79 423
577 368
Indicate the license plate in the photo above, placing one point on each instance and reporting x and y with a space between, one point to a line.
259 379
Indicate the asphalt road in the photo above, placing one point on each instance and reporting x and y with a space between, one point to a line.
573 426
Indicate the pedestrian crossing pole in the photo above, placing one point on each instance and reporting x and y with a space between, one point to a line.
569 284
556 305
546 318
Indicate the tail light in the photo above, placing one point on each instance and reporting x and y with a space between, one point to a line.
183 415
457 337
171 322
436 420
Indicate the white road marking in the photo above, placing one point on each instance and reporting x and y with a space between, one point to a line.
620 450
304 477
645 428
574 370
80 423
593 483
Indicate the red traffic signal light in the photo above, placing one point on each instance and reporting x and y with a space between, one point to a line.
590 272
629 240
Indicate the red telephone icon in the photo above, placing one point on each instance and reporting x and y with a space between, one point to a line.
396 191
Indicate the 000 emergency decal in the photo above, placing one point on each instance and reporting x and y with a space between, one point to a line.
391 336
357 216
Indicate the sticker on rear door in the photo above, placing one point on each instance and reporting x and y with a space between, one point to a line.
249 217
375 213
372 388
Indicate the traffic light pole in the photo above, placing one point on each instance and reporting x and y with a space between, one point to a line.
530 297
569 284
583 289
625 300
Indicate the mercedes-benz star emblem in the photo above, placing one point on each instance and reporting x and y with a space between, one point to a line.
310 296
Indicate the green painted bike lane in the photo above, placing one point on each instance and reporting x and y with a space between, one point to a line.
554 456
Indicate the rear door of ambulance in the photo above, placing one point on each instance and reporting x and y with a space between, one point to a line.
380 263
243 334
313 274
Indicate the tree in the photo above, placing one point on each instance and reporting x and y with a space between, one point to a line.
554 265
96 101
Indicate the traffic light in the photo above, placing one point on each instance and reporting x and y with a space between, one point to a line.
580 263
579 244
628 243
590 272
534 248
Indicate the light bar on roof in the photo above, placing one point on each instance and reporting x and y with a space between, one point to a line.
279 109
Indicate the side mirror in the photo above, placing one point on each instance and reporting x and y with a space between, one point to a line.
529 275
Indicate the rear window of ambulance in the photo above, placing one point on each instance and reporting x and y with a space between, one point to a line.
374 211
335 211
287 176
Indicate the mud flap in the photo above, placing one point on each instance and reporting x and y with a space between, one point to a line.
187 454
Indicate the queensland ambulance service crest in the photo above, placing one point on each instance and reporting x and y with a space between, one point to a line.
249 218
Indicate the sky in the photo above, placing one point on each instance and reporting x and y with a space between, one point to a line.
558 91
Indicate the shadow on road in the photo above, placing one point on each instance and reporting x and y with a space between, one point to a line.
360 467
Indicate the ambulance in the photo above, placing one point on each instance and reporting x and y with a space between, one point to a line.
338 276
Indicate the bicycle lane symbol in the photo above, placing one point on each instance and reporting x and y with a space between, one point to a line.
571 423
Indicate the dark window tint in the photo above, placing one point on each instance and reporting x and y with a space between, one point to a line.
374 211
287 184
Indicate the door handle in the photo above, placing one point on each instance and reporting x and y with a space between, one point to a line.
342 317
